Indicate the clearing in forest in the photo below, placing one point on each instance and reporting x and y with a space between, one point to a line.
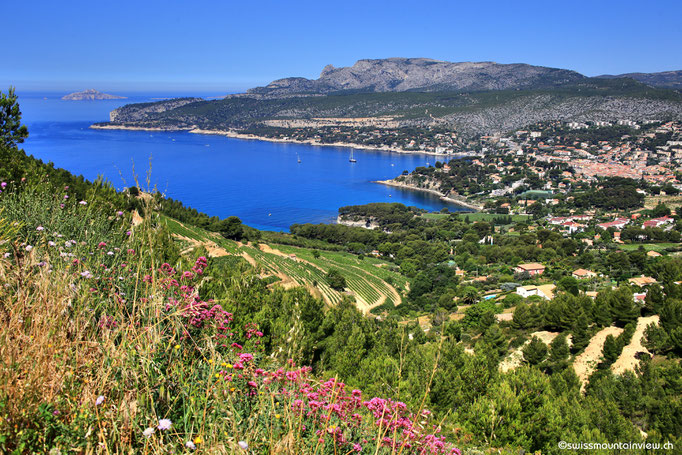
515 358
627 360
585 364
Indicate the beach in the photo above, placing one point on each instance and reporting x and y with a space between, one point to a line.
443 197
237 135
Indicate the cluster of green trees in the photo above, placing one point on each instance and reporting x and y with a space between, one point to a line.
382 213
531 407
428 251
612 193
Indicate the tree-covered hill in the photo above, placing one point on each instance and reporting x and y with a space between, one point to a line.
466 112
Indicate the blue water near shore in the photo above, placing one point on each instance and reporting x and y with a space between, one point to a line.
260 182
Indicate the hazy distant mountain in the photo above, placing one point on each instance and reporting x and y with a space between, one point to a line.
665 79
90 95
421 74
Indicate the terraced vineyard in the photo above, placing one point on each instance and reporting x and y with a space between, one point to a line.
369 280
366 279
180 229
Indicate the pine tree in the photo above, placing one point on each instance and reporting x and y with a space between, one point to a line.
654 299
537 319
656 339
623 308
559 313
676 339
602 310
521 320
559 351
581 334
671 315
496 340
535 351
12 132
611 350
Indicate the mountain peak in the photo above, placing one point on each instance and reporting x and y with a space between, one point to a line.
327 69
400 74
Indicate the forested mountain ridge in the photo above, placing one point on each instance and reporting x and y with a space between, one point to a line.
663 79
465 112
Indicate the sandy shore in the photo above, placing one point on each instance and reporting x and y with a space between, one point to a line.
253 137
442 197
133 128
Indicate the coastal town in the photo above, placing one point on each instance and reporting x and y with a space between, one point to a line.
555 157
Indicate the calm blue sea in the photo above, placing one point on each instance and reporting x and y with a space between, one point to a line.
260 182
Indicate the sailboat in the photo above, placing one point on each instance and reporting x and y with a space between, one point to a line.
352 160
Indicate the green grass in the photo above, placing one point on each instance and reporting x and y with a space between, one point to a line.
109 352
659 247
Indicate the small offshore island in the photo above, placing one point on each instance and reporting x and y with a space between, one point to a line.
91 95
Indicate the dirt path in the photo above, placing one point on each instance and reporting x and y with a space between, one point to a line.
585 364
515 359
362 304
249 259
286 281
627 360
213 249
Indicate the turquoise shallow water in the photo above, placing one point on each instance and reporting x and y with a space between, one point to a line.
260 182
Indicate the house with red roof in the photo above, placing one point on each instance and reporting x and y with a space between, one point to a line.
618 223
658 222
532 268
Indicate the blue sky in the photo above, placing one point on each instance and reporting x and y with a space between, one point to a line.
229 46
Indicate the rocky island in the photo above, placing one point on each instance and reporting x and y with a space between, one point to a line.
91 95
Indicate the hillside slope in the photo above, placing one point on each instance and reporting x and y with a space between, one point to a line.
479 112
369 281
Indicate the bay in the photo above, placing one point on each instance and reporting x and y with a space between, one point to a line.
260 182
